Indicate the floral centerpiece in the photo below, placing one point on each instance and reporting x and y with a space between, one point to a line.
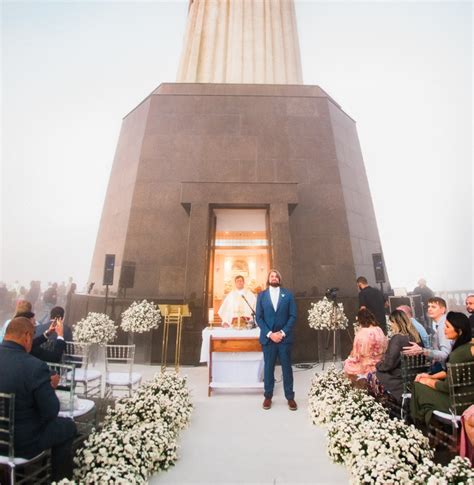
140 317
96 328
326 315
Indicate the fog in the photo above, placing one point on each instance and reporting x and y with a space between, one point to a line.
72 70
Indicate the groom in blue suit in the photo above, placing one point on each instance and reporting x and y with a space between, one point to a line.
276 315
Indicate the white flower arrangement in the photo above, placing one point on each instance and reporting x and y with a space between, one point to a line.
377 449
144 449
117 474
166 397
325 315
140 317
458 471
96 328
139 436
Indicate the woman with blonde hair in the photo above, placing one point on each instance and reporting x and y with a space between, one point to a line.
389 373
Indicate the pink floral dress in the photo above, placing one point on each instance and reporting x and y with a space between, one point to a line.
369 346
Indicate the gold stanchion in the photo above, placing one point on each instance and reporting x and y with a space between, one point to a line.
172 315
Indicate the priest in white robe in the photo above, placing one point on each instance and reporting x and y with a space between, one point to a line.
234 304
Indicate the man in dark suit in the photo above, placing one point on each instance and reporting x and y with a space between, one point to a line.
57 347
276 315
37 425
372 299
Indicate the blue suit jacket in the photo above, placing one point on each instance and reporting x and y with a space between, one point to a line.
35 400
270 320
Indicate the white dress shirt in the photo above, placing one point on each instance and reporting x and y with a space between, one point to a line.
274 295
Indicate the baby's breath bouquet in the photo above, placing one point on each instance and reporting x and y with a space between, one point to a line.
165 397
144 449
377 450
96 328
326 315
140 317
139 436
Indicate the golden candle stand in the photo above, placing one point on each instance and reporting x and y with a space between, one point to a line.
172 315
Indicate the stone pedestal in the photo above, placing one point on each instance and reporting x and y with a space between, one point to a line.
189 148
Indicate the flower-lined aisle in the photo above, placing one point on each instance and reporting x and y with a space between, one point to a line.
139 436
376 448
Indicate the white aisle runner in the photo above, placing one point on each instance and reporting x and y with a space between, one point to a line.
232 440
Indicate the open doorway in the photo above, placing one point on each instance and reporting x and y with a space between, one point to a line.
240 246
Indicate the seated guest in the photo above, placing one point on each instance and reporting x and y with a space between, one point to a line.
441 346
431 391
20 307
425 340
56 353
369 346
389 373
466 448
58 313
37 425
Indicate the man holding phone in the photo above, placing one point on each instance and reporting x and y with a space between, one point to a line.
56 352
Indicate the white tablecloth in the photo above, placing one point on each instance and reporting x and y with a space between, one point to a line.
233 367
226 332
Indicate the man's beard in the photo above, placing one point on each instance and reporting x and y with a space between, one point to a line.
275 285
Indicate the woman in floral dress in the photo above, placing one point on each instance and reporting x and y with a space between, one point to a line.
369 346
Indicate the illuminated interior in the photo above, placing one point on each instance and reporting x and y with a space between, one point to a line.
240 247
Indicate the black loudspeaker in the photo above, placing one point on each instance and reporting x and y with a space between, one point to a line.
413 301
127 275
396 301
378 267
109 267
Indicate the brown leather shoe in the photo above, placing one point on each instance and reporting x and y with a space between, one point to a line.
267 403
292 405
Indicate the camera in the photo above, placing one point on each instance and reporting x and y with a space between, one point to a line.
331 293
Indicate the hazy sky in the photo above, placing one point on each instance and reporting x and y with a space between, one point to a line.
72 70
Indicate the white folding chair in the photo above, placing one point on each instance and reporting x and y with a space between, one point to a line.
21 470
81 410
77 353
125 377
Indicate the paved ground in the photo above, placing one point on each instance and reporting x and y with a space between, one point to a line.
232 440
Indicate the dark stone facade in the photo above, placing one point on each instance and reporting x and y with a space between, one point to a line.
190 147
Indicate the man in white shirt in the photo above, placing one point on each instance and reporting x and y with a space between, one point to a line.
441 344
238 304
276 316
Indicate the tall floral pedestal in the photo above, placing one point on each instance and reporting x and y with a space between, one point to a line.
329 346
142 343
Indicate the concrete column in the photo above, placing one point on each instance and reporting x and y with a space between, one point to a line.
241 41
196 256
281 242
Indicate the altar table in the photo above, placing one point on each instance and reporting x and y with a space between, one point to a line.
229 369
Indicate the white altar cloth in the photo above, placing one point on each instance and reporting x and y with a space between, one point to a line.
233 369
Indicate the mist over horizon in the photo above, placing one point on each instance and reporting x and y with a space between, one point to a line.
402 70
